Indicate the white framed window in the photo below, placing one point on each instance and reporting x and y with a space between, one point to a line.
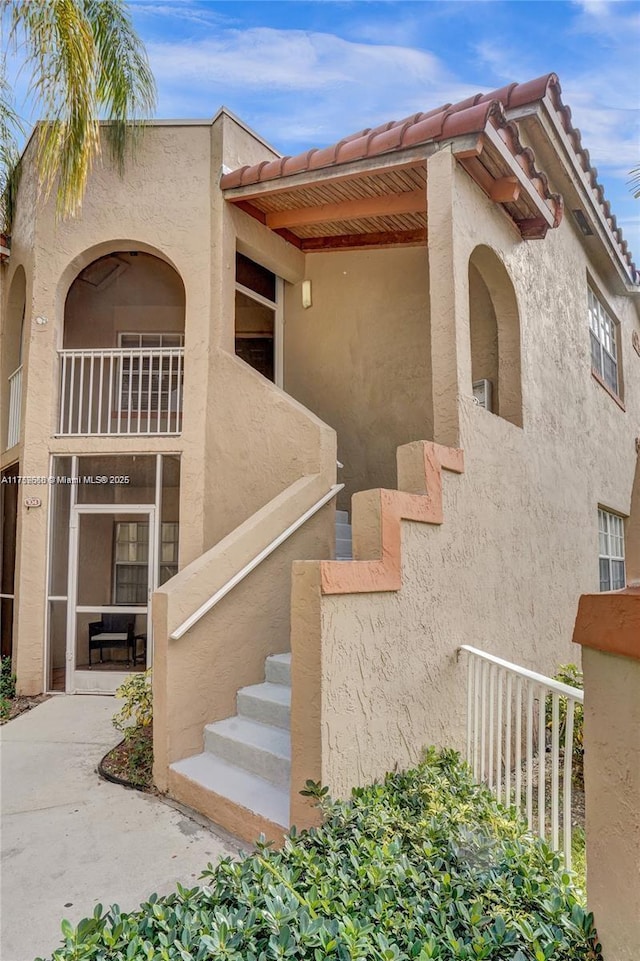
131 563
168 551
150 381
604 343
131 560
611 533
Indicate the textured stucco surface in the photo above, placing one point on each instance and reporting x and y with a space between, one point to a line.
359 357
612 786
519 540
383 357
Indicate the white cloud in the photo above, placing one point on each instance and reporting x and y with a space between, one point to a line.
300 86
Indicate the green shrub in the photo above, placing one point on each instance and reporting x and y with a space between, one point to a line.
572 675
134 721
137 710
7 679
425 866
7 687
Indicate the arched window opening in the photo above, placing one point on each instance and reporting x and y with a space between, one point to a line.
123 348
494 327
12 356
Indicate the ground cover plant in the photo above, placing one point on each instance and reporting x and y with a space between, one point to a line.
11 703
131 761
426 865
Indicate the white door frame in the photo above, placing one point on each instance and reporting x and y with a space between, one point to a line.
103 682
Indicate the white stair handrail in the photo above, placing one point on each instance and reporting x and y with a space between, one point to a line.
244 571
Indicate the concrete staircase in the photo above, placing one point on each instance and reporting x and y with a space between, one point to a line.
247 757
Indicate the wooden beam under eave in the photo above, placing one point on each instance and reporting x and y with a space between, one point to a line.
505 190
535 228
408 202
391 238
544 210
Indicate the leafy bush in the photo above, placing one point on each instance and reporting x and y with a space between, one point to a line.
7 679
572 675
137 710
7 686
425 866
134 721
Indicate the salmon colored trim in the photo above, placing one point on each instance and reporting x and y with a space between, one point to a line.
610 622
384 573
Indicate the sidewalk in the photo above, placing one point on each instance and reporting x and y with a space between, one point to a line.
71 840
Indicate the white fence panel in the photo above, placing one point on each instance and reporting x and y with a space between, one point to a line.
519 746
123 391
15 407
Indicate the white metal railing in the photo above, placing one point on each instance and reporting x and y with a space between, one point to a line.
258 559
513 722
121 391
15 404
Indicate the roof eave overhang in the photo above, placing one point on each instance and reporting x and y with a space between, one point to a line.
542 125
532 213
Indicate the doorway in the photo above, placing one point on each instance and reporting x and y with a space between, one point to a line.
111 580
113 540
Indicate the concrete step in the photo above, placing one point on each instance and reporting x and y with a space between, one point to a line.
267 703
278 668
260 749
342 517
343 530
232 782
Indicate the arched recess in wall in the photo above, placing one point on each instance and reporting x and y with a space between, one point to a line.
122 338
494 325
13 339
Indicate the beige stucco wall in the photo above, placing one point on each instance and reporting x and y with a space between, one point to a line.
243 442
359 357
612 786
519 541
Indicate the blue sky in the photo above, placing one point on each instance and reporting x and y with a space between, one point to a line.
305 74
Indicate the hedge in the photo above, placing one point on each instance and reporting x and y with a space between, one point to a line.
426 865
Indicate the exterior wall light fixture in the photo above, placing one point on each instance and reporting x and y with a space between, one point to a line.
306 293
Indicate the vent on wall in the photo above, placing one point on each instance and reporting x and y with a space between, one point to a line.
582 222
482 393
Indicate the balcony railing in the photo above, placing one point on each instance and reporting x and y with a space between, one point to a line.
15 404
518 722
121 391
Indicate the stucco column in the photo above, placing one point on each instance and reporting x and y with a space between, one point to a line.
448 295
39 404
608 628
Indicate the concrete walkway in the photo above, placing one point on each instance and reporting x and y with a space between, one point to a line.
71 840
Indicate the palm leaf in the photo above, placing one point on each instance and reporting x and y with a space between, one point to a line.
634 183
10 128
86 63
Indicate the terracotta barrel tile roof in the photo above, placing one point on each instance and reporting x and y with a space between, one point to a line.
469 116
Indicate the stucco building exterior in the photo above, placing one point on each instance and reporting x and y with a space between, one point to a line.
432 326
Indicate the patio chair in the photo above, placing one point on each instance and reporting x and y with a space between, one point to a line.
114 631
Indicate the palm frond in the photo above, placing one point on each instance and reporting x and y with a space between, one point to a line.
634 182
125 88
10 129
86 62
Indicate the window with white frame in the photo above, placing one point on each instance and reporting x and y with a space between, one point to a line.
150 381
131 574
604 347
611 531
